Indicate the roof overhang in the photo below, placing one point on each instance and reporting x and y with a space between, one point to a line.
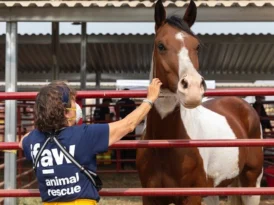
222 58
132 11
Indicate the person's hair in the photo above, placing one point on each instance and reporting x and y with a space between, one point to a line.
50 106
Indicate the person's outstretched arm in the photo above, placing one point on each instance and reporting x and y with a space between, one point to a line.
120 128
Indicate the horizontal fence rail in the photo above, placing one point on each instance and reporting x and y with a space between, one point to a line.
154 192
173 143
141 93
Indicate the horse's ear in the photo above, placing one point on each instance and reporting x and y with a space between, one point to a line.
190 14
160 14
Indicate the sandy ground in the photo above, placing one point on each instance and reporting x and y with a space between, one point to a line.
125 181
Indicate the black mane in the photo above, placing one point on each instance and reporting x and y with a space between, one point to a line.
179 23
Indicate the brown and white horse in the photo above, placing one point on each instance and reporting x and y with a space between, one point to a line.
184 114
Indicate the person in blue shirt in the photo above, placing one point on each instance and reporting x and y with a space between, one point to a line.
61 181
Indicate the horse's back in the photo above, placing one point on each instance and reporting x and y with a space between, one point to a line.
240 115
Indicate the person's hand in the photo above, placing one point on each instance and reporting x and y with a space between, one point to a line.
154 90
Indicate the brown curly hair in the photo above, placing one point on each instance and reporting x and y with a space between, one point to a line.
50 105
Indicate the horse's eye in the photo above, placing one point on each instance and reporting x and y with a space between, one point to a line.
198 48
161 47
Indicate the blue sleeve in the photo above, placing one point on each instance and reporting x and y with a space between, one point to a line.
97 137
26 148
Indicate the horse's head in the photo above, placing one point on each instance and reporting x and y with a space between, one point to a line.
175 56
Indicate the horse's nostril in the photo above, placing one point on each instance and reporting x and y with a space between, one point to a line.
184 83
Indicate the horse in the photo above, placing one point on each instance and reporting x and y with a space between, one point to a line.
182 112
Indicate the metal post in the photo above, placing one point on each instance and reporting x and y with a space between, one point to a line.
55 50
98 79
10 108
83 62
20 152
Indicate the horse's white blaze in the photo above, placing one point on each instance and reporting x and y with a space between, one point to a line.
180 36
185 65
201 123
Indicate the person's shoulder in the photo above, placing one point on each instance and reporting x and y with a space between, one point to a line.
75 128
30 137
94 126
84 126
32 134
91 129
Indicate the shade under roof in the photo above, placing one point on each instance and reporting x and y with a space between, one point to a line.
223 57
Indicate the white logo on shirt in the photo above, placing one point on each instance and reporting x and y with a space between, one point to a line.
49 156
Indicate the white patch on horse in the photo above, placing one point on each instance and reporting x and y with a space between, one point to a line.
212 200
166 103
201 123
262 134
205 99
180 36
185 65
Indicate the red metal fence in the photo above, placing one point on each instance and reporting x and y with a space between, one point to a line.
160 191
155 143
141 93
154 192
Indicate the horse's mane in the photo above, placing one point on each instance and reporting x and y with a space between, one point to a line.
179 23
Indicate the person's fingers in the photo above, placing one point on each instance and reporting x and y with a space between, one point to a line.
159 83
155 80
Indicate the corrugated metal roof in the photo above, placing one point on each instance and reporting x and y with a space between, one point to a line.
122 11
104 57
134 3
222 56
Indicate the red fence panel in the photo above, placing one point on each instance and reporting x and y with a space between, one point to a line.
141 93
154 192
173 143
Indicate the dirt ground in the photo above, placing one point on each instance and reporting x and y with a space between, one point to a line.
125 181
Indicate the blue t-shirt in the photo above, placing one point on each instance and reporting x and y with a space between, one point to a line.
58 178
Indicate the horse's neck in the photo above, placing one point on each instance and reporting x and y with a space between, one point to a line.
169 127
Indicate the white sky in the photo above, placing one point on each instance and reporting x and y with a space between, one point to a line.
146 27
